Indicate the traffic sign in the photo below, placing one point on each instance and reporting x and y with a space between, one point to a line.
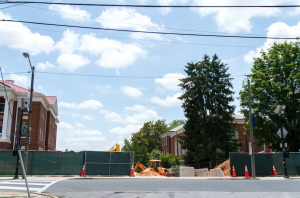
19 147
283 150
285 132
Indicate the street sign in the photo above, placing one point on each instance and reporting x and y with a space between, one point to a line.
19 147
28 99
250 148
285 132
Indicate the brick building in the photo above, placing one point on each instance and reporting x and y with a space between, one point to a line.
170 144
43 118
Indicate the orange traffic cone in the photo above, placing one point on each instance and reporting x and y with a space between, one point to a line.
233 171
274 171
163 172
246 172
83 171
132 171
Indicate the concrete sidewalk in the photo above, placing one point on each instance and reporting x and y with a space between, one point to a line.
140 177
21 195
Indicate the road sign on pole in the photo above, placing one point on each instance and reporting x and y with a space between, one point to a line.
28 99
284 131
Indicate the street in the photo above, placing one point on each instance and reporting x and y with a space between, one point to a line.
174 188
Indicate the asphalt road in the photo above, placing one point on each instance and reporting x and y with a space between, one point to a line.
175 188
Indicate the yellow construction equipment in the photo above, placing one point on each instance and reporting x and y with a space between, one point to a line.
154 164
115 148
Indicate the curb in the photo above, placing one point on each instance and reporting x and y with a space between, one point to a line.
45 194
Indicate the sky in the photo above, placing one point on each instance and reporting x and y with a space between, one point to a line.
95 113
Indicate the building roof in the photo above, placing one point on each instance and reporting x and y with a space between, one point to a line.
177 128
238 116
51 99
17 88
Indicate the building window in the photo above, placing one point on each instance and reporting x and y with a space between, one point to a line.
162 142
166 140
175 146
2 106
234 135
179 148
42 135
1 128
183 151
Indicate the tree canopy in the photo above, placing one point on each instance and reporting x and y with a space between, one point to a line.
275 80
175 123
207 104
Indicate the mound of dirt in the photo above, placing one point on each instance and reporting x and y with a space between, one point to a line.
225 166
148 172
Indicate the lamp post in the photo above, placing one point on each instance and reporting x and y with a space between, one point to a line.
280 110
26 55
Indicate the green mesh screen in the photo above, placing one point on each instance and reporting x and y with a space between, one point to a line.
43 163
264 163
108 163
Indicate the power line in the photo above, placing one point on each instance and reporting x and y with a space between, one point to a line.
155 6
10 6
103 76
128 23
143 40
152 32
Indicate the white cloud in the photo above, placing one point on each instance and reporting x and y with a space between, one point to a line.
231 60
142 117
69 42
169 101
131 91
104 111
18 36
44 66
109 49
77 137
87 117
165 11
295 12
71 13
75 115
127 130
236 20
22 81
136 108
170 81
89 104
128 18
114 117
40 88
103 88
71 62
276 29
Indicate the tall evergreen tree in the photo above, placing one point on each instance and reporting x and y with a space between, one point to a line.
207 106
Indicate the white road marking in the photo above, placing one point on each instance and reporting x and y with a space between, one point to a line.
15 185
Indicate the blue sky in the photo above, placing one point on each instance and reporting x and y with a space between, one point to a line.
95 113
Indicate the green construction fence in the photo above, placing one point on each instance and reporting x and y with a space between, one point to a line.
68 163
264 163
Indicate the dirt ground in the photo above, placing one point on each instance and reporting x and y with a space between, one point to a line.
148 172
225 166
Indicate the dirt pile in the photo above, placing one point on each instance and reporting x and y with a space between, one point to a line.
148 172
225 166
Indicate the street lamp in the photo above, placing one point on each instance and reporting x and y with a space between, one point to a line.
26 55
280 109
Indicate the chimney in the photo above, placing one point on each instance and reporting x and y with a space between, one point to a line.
10 80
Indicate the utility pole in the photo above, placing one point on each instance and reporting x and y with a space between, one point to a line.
251 150
19 145
26 55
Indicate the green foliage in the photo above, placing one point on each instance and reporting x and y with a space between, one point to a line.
169 160
149 134
207 104
127 146
275 80
146 142
175 123
155 154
